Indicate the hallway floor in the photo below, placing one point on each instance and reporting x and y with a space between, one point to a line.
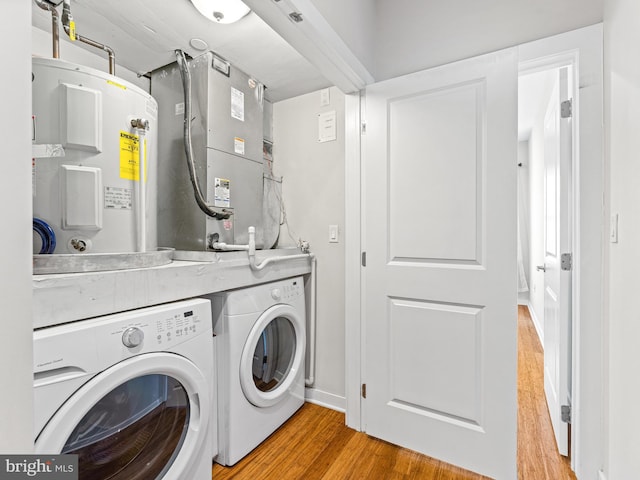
316 445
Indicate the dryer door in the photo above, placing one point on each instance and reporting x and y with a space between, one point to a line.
144 418
273 356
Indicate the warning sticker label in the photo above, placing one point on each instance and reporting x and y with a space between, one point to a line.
238 145
118 198
237 104
129 157
222 193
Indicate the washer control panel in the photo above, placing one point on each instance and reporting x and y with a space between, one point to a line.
162 327
95 343
287 291
179 326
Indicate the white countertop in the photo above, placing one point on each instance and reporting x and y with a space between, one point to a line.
61 298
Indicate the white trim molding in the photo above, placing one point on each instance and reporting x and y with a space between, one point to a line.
325 399
353 240
536 323
315 40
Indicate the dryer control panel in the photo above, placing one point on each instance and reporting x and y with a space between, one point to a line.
285 292
259 298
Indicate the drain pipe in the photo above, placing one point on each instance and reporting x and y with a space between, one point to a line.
140 126
267 261
228 246
311 379
55 30
70 28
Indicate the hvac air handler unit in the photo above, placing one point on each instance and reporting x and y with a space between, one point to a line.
225 111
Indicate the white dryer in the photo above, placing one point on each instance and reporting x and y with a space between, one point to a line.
131 393
260 334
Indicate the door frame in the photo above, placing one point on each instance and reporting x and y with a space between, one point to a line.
588 439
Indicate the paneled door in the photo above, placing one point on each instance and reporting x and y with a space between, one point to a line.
440 318
557 242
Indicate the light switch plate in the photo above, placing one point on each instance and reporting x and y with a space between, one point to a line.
613 231
333 233
325 99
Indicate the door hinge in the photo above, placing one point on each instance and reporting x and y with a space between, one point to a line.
364 390
566 109
363 259
363 128
566 261
565 413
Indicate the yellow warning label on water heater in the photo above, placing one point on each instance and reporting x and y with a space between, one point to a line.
72 30
130 155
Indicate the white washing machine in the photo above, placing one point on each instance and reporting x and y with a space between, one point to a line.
131 394
260 363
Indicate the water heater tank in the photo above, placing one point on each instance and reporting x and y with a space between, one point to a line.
87 189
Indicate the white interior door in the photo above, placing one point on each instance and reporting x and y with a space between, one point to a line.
557 241
440 275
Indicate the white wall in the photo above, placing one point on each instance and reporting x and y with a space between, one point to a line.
622 120
535 169
536 225
354 21
413 35
313 191
524 216
16 360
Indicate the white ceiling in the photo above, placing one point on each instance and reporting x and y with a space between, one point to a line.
145 33
412 35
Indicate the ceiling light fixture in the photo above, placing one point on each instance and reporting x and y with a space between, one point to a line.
221 11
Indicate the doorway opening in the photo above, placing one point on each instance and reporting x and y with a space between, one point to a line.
583 47
546 233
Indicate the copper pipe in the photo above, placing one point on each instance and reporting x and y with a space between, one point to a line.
67 18
55 31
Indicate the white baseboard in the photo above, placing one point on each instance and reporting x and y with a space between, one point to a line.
325 399
536 323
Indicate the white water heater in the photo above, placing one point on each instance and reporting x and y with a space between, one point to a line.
86 170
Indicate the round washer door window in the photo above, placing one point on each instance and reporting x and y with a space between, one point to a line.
138 420
273 356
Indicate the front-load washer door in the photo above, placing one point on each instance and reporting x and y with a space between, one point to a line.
144 418
273 356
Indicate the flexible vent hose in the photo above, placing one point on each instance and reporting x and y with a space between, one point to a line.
188 148
47 236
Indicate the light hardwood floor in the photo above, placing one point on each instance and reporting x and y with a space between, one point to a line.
316 445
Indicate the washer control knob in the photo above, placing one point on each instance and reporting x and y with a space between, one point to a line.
276 294
132 337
